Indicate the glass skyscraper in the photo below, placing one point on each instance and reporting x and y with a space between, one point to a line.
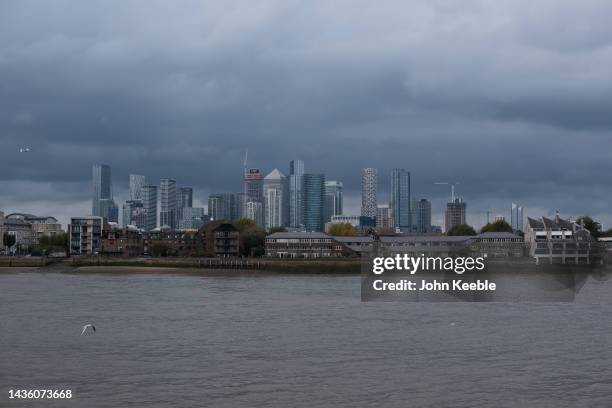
276 202
400 198
149 203
168 203
333 199
423 215
516 217
102 188
313 201
137 183
296 171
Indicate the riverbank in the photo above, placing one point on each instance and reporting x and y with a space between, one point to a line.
26 261
312 266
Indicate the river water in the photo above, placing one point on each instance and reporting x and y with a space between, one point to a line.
292 341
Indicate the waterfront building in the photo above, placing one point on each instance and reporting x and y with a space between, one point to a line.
423 215
302 245
333 199
40 225
21 230
124 242
137 183
85 235
400 202
149 203
558 241
276 200
220 239
384 217
516 217
102 187
168 203
313 201
296 172
369 189
455 213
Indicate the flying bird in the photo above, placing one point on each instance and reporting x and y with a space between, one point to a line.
25 149
86 327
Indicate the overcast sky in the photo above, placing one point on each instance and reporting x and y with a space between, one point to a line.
512 99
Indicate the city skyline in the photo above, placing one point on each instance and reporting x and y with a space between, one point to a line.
426 87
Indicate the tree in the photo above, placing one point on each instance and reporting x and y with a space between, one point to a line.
497 226
277 229
461 229
252 237
589 223
343 230
9 240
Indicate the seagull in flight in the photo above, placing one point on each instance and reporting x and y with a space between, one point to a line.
25 150
88 326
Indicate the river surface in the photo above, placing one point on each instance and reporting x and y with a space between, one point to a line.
292 341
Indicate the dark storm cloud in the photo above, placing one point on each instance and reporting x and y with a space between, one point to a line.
510 98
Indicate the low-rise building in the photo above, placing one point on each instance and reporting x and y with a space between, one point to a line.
220 239
1 231
85 235
40 226
167 242
303 245
558 241
21 230
362 223
125 242
498 245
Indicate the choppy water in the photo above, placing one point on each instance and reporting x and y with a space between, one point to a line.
291 341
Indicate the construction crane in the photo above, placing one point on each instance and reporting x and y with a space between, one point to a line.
452 184
488 212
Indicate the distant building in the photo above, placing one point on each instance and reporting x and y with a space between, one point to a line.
369 188
423 215
192 218
558 241
168 203
85 235
276 200
102 187
400 198
516 217
109 210
362 223
384 217
253 189
133 217
455 213
313 201
185 197
499 218
137 183
149 203
333 199
296 172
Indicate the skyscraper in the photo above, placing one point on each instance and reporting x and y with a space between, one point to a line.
185 197
423 215
400 198
137 183
296 171
276 200
516 217
102 188
455 213
313 201
168 203
225 206
132 214
369 188
109 210
384 217
149 203
333 199
253 189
